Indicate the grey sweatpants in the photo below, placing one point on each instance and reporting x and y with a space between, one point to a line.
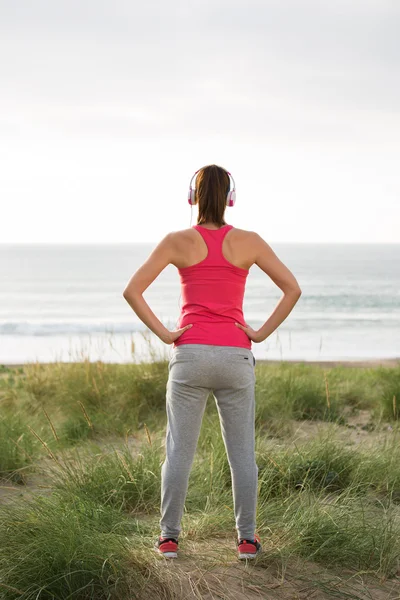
195 370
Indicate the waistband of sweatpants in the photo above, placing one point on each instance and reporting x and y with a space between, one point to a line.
213 348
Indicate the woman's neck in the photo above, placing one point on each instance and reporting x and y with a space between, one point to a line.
211 225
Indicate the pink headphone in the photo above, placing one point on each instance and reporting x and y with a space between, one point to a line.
230 198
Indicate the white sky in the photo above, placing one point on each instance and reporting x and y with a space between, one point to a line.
107 109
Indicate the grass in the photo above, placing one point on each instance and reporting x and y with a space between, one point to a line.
343 531
17 447
96 432
114 477
67 546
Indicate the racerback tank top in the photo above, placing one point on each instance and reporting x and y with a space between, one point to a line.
212 296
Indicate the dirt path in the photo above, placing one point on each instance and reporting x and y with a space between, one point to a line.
210 570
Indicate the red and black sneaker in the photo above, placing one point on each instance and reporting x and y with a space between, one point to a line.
249 548
167 546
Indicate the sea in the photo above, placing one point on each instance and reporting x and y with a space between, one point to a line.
64 302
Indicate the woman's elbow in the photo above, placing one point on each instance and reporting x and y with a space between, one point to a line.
130 293
295 291
127 293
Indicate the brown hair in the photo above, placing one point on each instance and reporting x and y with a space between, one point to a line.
212 186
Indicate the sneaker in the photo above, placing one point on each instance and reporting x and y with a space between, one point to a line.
249 548
167 546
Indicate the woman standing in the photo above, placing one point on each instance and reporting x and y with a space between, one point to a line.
211 349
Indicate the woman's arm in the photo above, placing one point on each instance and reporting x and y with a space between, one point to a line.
160 258
145 314
268 262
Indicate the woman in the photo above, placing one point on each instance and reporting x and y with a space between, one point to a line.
211 349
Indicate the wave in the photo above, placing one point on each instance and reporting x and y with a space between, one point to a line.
66 328
300 322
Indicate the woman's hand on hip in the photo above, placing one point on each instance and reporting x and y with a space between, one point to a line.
174 335
251 333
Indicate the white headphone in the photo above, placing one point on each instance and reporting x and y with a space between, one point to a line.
230 197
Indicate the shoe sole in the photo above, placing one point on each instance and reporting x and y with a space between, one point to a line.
246 555
166 554
249 555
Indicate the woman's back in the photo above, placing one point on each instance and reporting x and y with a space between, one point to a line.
238 246
212 285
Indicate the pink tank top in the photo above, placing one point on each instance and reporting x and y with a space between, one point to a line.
212 296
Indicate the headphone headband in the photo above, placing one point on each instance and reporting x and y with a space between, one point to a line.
230 197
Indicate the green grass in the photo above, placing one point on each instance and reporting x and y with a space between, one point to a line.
114 476
67 546
17 446
343 531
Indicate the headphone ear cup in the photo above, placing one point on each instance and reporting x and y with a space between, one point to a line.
231 199
192 196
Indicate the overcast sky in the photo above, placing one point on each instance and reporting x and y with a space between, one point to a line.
108 108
